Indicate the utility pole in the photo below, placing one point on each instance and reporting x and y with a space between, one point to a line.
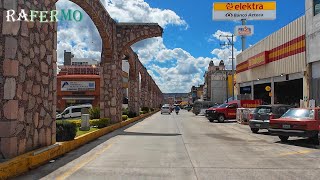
230 43
243 38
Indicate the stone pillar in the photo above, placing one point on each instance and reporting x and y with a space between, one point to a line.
147 91
28 82
111 85
143 90
133 103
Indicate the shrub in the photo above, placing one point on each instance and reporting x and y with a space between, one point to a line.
66 131
76 122
124 117
94 113
152 109
125 113
100 123
141 112
145 112
146 109
132 114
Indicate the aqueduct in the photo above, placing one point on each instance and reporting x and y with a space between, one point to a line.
28 73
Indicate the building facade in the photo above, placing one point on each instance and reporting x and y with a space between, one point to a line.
217 88
313 46
275 69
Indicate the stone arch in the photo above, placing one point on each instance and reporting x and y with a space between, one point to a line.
27 73
100 17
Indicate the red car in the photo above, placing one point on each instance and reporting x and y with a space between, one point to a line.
298 122
222 112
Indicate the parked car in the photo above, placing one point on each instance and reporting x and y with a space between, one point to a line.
298 122
222 112
72 111
261 116
199 107
166 109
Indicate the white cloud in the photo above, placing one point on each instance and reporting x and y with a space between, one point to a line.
140 11
176 70
223 36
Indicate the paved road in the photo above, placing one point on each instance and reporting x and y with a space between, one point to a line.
185 147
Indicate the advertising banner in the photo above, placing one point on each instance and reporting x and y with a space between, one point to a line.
78 86
246 30
244 10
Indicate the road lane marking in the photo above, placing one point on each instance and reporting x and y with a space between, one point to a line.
294 153
81 164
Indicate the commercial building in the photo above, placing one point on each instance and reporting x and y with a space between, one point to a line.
79 83
313 47
175 98
217 87
274 69
70 60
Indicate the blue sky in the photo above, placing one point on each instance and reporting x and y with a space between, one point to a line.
198 15
179 59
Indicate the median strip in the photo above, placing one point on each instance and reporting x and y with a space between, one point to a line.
36 158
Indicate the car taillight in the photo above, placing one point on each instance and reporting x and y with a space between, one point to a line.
250 116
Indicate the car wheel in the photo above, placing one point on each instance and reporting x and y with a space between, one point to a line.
315 140
284 138
211 120
196 114
254 130
221 118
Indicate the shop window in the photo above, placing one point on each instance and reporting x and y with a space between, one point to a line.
316 5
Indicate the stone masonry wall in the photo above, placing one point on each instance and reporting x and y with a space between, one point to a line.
28 82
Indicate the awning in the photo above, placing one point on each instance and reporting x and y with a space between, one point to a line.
78 98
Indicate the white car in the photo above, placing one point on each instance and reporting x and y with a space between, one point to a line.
165 109
72 111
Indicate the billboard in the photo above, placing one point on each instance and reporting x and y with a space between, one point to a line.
78 86
246 30
244 10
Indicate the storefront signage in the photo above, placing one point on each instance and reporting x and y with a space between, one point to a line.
250 103
244 10
242 67
258 60
247 30
78 85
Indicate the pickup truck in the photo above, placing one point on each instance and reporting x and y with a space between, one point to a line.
298 122
222 112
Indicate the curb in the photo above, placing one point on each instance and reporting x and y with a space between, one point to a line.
36 158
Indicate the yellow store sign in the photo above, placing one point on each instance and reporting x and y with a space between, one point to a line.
244 10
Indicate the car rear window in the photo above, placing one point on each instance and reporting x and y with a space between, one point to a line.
263 110
299 113
165 107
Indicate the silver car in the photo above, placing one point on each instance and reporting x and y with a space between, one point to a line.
165 109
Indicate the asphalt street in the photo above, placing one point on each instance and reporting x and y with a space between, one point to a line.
185 147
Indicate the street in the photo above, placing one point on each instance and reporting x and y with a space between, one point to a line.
185 146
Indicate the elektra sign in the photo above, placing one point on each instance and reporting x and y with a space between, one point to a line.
44 16
244 10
